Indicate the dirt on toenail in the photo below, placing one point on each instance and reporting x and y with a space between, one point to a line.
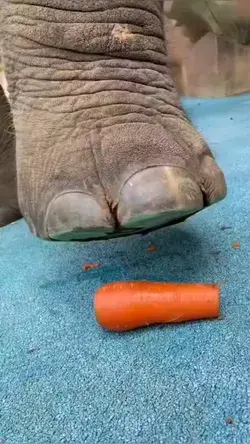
122 33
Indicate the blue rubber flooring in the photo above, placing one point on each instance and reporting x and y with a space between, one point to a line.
64 380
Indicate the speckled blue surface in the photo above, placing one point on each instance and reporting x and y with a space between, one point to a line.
64 380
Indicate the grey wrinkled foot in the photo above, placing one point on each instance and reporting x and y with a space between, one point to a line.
157 197
76 216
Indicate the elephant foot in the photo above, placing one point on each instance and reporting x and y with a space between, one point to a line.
136 178
104 148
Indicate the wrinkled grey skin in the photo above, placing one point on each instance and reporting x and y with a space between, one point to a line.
9 210
102 142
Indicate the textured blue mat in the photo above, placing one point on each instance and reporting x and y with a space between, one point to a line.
64 380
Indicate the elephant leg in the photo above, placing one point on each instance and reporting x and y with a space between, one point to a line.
103 145
9 210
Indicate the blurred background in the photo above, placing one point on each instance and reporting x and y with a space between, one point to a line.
209 46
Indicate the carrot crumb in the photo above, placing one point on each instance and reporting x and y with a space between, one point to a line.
236 245
87 267
152 248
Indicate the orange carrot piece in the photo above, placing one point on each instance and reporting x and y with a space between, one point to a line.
152 248
236 245
87 267
124 306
